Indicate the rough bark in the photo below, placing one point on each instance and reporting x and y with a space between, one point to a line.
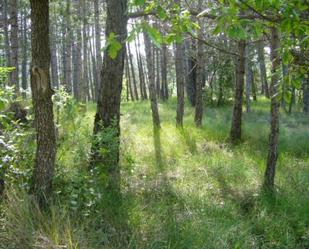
151 79
275 104
263 75
235 134
42 102
14 80
108 103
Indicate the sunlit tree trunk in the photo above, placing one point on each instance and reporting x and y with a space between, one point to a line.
263 75
275 104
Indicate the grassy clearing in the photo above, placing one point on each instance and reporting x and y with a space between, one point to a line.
182 188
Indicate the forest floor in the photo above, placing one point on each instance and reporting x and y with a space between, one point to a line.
182 188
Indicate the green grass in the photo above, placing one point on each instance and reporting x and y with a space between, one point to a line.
182 188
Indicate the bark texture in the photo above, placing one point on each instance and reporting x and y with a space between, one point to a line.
42 101
275 104
108 103
180 82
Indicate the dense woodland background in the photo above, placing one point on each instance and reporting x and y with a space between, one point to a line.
154 124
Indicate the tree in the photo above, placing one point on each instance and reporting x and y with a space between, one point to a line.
275 104
263 76
180 82
108 102
235 134
42 102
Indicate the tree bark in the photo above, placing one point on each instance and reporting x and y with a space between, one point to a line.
24 82
6 34
42 102
180 82
235 134
68 70
130 55
191 82
151 78
275 104
108 103
199 81
14 79
249 78
85 51
97 44
164 87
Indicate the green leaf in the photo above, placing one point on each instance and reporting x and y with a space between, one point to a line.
139 2
112 45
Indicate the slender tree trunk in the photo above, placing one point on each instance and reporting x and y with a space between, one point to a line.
275 104
305 94
54 59
249 78
128 79
191 83
14 79
164 88
68 70
130 55
158 85
24 82
85 51
199 81
235 134
42 102
108 103
6 33
151 77
180 82
263 75
140 72
97 43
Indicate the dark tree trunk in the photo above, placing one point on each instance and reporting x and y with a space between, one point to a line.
85 51
180 82
199 82
108 103
164 87
235 134
14 79
275 104
158 76
263 75
42 102
151 78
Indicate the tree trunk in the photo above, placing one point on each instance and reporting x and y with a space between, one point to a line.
85 51
108 103
191 82
68 70
14 79
235 134
249 78
180 82
199 81
24 82
54 59
141 71
128 79
263 75
6 34
151 77
275 104
164 87
130 55
42 102
97 44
